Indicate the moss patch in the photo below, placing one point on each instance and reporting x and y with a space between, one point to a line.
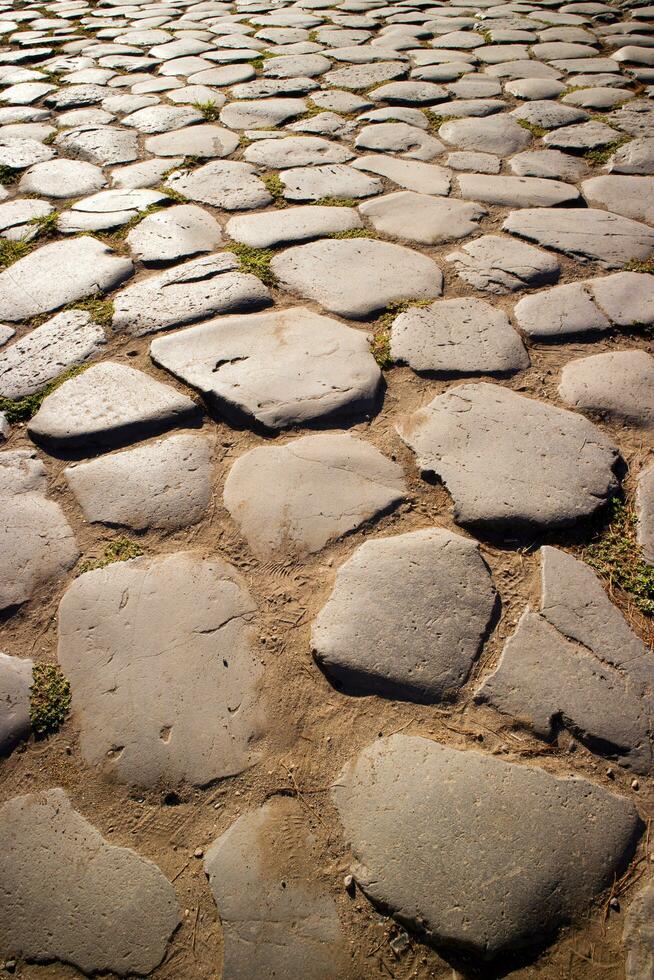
532 128
602 154
640 265
8 175
255 260
208 109
122 549
617 557
49 700
354 233
380 347
337 202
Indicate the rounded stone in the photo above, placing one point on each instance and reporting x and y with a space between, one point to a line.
422 218
15 685
618 385
63 179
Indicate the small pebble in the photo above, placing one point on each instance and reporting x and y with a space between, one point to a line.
635 784
610 773
615 904
198 852
348 884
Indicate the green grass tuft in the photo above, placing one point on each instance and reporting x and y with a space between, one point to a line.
435 121
101 310
208 109
11 252
49 700
380 348
602 154
275 187
122 549
638 265
8 175
532 128
337 202
354 233
256 261
617 557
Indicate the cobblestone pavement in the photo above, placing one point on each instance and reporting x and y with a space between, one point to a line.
326 489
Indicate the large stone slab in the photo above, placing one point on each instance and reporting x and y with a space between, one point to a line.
493 134
291 225
278 919
15 684
57 274
561 312
299 496
511 463
639 935
181 703
516 192
415 175
187 292
165 484
174 234
457 336
498 265
544 847
577 664
106 405
618 385
407 617
422 218
69 896
282 368
227 184
584 233
630 196
58 344
354 278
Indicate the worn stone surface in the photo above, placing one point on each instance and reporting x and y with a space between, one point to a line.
194 715
457 336
512 463
410 808
291 225
66 340
68 895
278 919
224 184
165 484
616 385
15 683
279 369
59 273
422 218
407 616
299 496
108 404
498 265
174 234
577 664
639 935
355 278
645 512
561 312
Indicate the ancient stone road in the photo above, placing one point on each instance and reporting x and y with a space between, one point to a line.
326 489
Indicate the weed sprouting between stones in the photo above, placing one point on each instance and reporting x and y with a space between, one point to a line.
353 233
602 154
435 121
49 700
336 202
8 175
122 549
275 187
381 339
45 227
533 128
208 109
255 260
617 557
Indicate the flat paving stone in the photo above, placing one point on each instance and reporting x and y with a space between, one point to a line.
493 134
299 496
616 385
291 225
165 484
645 513
296 151
204 141
548 163
68 339
63 179
627 298
398 137
174 234
261 114
635 118
516 191
59 273
187 292
638 935
422 218
456 337
576 663
355 278
184 702
70 896
410 807
414 175
278 919
162 118
357 77
21 153
584 136
227 184
561 312
337 181
108 404
630 196
287 367
512 464
584 233
407 617
495 265
15 684
102 145
635 157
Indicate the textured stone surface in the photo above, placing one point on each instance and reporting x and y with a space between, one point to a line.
577 664
355 278
298 496
64 341
278 919
645 511
498 265
165 484
108 404
422 218
15 683
68 895
457 336
292 225
616 385
410 808
182 702
176 233
59 273
407 616
639 935
512 463
281 368
561 312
